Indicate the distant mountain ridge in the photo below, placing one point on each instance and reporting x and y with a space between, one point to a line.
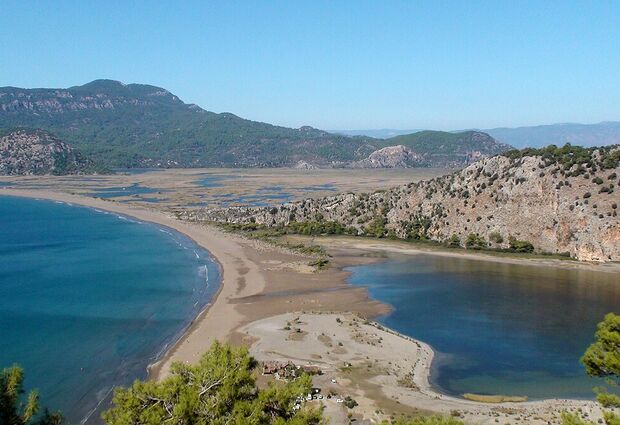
37 152
138 125
378 133
587 135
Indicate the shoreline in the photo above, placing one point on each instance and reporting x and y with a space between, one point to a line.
239 303
407 248
227 312
207 238
386 372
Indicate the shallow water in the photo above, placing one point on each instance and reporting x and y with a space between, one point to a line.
271 194
497 328
88 299
115 192
214 180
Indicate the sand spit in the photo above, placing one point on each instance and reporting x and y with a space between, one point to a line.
264 287
247 266
385 372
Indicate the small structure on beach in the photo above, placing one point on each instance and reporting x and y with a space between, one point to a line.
272 367
288 370
281 370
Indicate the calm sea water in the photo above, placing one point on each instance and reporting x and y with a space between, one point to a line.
497 328
88 299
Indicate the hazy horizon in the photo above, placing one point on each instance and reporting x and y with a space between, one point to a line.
479 128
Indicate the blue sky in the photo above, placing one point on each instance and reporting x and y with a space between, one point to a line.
334 64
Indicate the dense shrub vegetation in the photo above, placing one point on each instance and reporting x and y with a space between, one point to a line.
474 241
219 390
568 156
520 246
140 125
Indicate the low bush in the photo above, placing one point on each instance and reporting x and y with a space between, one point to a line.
517 245
496 237
474 241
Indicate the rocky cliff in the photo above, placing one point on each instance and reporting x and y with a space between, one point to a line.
37 152
553 200
391 157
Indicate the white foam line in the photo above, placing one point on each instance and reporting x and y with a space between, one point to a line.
121 217
87 417
173 238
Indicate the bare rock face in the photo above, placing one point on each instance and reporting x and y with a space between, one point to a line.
303 165
560 200
101 95
391 157
432 149
37 152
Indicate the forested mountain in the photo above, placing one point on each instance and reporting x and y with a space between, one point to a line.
452 149
142 125
37 152
554 200
588 135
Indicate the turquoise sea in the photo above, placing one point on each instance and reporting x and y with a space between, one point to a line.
497 328
88 298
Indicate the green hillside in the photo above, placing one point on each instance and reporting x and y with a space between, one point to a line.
450 148
141 125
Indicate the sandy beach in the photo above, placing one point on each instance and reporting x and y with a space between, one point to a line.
247 266
266 287
385 372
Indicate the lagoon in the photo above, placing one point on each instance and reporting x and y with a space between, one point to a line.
496 327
